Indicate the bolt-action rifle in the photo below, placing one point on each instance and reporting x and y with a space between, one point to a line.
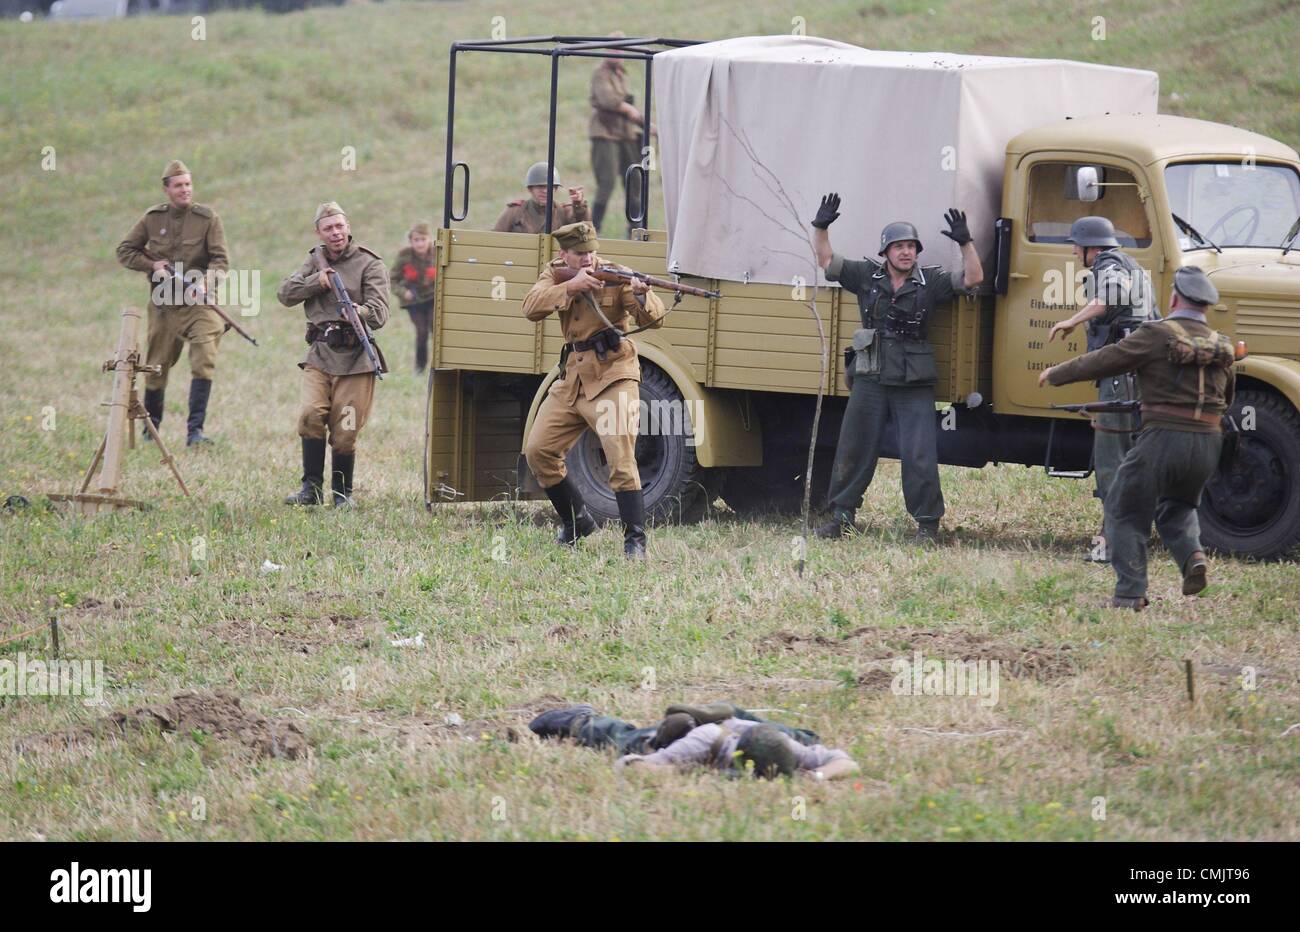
209 300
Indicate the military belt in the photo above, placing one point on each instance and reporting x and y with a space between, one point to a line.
1188 414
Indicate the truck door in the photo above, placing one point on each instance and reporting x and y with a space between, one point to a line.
1046 283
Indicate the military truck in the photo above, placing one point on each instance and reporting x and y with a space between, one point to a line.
732 381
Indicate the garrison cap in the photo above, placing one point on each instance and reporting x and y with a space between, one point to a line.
328 209
174 167
577 237
423 228
1194 285
767 748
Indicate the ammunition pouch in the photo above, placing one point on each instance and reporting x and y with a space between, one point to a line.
865 353
335 336
907 325
607 341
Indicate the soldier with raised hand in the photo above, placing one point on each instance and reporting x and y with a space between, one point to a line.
1185 378
890 369
599 385
189 238
338 385
528 215
1119 300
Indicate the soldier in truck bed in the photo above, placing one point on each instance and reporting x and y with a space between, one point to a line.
528 215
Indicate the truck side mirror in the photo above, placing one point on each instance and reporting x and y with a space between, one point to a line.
1086 183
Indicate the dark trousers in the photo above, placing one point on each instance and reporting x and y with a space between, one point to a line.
1112 434
1161 479
422 317
862 432
609 161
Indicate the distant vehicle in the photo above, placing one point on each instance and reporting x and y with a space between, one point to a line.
116 9
88 9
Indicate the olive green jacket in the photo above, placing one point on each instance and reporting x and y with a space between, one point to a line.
609 89
190 238
366 280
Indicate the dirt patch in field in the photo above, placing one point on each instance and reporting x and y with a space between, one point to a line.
220 716
303 635
1038 662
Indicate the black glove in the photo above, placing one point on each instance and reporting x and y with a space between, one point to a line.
828 212
957 230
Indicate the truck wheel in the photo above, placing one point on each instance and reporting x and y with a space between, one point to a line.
676 487
1253 510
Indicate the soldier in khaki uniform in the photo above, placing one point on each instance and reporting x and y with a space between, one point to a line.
189 237
528 215
338 386
414 280
599 385
1186 381
615 131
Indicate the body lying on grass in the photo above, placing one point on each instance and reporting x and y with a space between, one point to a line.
720 736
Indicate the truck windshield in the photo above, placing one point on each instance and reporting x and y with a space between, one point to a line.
1234 203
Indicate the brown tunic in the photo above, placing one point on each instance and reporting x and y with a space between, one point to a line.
189 237
609 89
525 216
1160 380
584 371
366 279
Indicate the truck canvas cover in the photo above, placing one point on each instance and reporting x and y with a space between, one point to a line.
900 136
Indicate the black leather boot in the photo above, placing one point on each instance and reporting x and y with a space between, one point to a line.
631 508
597 215
341 478
576 521
153 403
313 473
841 523
200 391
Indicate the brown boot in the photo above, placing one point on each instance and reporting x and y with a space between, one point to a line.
1194 573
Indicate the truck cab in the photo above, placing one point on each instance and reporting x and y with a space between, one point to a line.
1237 195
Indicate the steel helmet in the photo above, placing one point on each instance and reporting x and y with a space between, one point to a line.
896 233
1093 231
537 175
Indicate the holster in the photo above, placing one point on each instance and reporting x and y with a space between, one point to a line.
1228 451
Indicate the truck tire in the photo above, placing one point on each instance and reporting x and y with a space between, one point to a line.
676 487
1253 510
776 488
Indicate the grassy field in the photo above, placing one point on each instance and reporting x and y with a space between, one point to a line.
432 742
